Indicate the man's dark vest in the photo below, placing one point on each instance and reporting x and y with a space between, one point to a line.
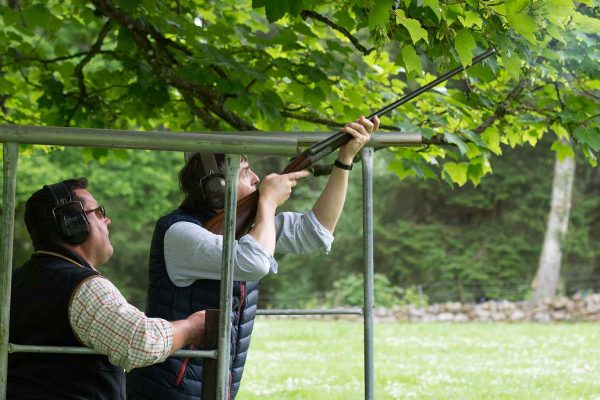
39 315
180 378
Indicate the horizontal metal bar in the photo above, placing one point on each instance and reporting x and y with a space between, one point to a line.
172 141
378 140
251 142
309 311
20 348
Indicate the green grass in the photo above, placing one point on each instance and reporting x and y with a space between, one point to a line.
301 359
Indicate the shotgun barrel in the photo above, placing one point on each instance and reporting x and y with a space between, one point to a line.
247 207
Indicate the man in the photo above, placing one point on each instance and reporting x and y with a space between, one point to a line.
60 299
185 258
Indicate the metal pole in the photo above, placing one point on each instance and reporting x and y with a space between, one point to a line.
309 311
367 174
9 170
232 167
24 348
281 143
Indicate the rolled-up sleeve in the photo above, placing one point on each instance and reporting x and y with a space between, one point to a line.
192 252
301 233
103 320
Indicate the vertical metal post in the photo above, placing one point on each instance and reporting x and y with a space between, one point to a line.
232 167
367 175
9 170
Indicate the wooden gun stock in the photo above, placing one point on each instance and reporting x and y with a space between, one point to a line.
248 206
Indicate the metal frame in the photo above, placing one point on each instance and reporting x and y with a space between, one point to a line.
233 144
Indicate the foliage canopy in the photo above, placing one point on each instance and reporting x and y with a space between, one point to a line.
296 65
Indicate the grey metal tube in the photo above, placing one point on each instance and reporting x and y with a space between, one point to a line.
282 143
367 174
19 348
184 141
232 167
310 311
9 170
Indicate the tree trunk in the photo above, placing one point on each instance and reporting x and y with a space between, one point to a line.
546 280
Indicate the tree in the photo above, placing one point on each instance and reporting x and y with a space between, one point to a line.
548 273
303 64
222 66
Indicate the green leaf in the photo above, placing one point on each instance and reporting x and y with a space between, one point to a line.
125 42
5 85
593 84
475 172
512 136
512 64
434 5
554 31
586 24
589 136
380 14
560 131
562 8
590 156
305 30
483 72
413 27
457 172
9 16
397 167
276 9
411 59
269 103
344 19
524 25
514 7
464 43
472 19
562 150
454 139
492 139
314 95
40 16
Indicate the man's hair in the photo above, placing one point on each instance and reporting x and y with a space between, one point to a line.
38 214
190 182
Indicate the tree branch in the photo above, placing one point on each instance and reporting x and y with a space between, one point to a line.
501 110
582 89
562 104
311 14
163 63
53 60
211 122
79 69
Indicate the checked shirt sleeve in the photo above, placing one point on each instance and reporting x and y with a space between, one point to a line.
103 320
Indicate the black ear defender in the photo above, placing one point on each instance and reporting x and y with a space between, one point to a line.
70 218
212 184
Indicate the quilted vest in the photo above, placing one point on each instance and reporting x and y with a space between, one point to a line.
180 378
39 315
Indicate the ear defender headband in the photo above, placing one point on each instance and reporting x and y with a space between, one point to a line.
71 222
212 184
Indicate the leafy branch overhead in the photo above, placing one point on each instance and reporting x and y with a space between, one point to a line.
308 65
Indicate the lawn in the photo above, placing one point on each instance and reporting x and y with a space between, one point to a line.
304 359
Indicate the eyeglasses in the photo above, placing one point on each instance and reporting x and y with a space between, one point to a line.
100 212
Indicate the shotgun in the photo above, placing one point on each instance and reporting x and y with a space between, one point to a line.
247 207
